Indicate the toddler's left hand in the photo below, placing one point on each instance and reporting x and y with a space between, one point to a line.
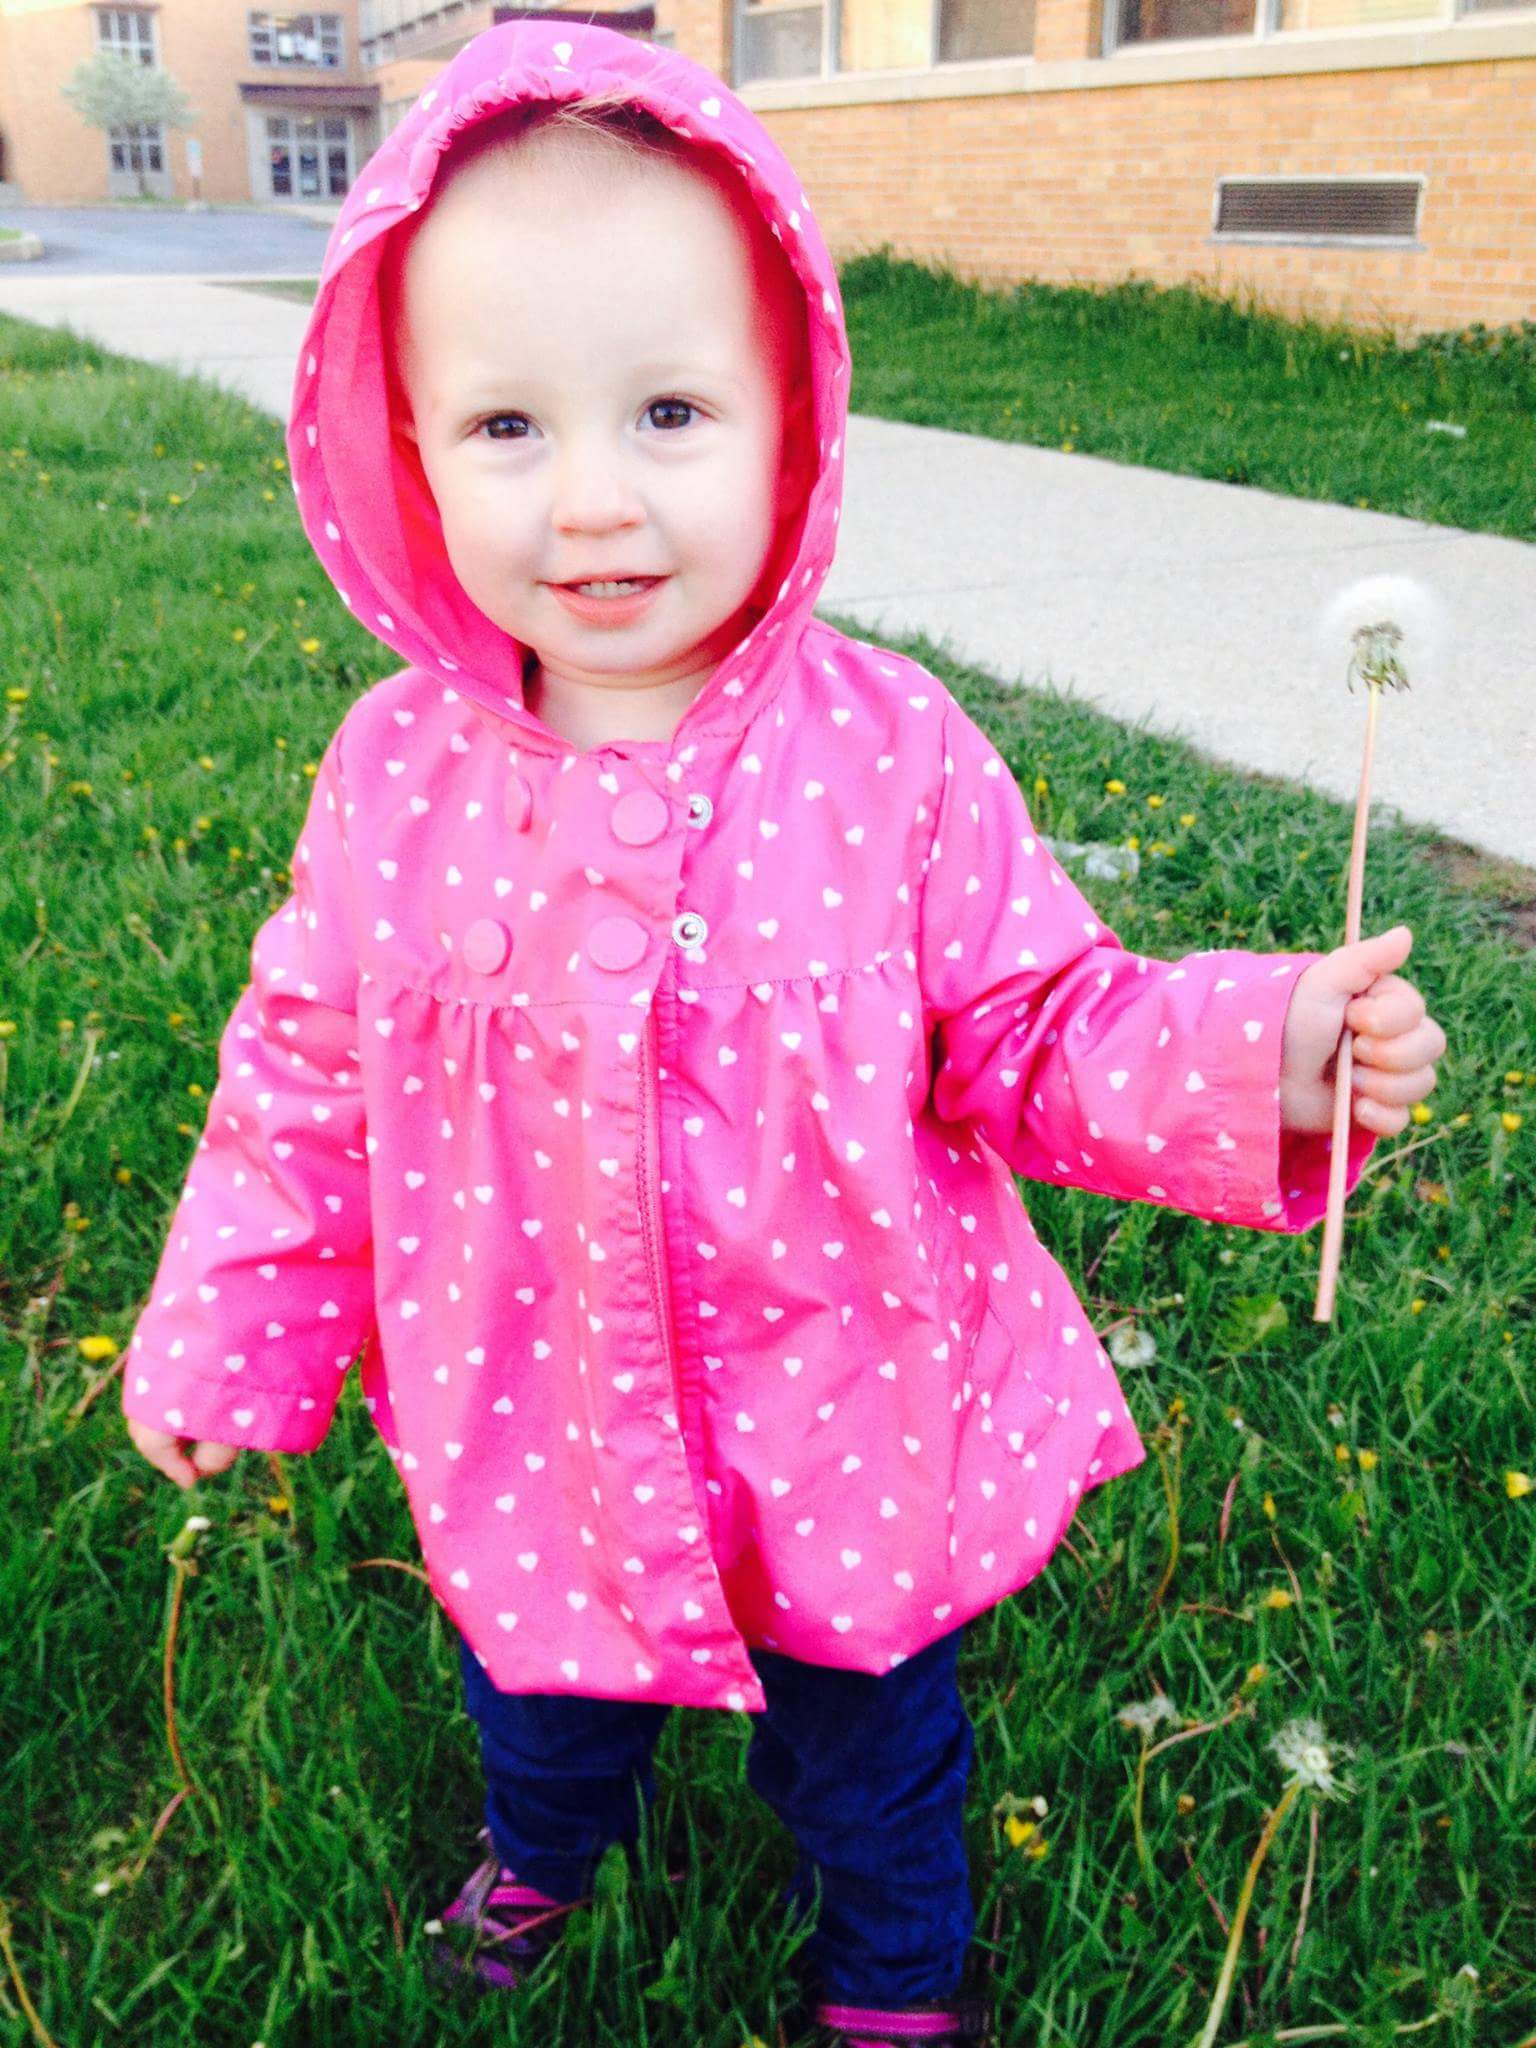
1394 1055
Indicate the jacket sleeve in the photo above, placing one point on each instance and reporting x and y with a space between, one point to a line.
264 1291
1084 1064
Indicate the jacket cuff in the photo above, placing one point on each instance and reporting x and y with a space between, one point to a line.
1272 1178
222 1412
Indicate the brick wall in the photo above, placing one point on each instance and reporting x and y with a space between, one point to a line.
55 158
1093 185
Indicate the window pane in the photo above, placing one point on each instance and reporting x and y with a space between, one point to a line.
886 35
335 130
779 42
1151 21
1354 13
282 176
969 29
276 125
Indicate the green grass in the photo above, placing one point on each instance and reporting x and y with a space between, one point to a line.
148 806
1176 378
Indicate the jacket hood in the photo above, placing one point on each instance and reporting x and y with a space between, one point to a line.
369 514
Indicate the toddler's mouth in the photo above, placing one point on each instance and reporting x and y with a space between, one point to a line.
611 586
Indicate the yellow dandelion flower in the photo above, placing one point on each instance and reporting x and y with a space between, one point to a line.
1511 1119
1514 1077
1368 1461
173 498
310 646
186 1130
269 496
1185 1803
1018 1831
1278 1596
1038 1849
151 831
203 824
311 768
174 1018
1269 1505
278 462
238 633
1042 787
1517 1483
1341 1454
80 789
17 695
1186 817
278 1505
1115 786
280 743
195 1088
66 1023
1464 1118
1420 1113
123 1175
1154 803
95 1348
179 844
1256 1674
1416 1306
205 760
199 465
1134 841
1067 447
159 447
1442 1251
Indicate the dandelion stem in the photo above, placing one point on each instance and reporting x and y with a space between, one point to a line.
1306 1895
181 1567
27 2006
1234 1939
1141 1786
1338 1162
1170 1488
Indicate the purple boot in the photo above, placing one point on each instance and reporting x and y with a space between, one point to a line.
941 2023
513 1925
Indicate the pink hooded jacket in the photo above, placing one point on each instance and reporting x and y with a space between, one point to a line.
648 1116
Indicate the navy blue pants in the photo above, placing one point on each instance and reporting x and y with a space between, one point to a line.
867 1772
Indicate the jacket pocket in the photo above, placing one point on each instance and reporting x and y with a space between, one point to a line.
1006 1391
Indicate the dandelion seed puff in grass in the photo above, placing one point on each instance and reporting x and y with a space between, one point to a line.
1375 631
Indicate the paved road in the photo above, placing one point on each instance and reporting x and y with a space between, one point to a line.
122 241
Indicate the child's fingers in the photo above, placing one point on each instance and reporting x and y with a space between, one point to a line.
1388 1006
1417 1049
164 1452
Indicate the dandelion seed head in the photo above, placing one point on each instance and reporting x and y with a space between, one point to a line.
1308 1757
1419 613
1132 1347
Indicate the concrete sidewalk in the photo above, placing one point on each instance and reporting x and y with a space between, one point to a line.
1173 602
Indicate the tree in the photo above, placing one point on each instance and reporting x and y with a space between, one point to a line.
111 91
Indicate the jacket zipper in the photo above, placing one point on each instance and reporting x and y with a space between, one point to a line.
650 1204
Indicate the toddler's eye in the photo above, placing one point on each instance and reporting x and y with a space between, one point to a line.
677 404
492 418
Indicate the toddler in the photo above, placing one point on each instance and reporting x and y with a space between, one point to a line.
670 990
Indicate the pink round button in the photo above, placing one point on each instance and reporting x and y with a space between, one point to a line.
617 942
519 802
486 945
639 817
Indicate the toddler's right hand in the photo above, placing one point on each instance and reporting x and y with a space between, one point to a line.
165 1451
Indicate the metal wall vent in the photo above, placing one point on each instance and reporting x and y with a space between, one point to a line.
1318 209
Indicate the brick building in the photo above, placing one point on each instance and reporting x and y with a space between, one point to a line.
1372 159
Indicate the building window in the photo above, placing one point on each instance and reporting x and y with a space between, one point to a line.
309 156
1134 22
127 31
787 39
295 39
138 147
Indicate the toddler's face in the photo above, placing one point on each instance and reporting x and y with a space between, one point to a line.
598 387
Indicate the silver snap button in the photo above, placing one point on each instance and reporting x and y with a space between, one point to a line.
689 929
700 809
